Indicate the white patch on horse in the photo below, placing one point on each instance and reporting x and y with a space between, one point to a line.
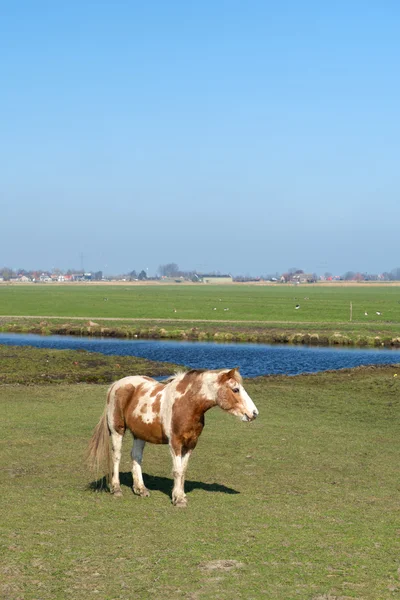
208 388
144 409
251 408
168 397
134 380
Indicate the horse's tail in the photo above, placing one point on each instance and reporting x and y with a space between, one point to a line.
99 452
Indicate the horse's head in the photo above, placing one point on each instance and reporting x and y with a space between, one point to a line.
232 397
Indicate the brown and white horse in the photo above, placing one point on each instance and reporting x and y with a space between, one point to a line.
168 412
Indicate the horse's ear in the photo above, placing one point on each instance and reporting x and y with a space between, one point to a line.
232 374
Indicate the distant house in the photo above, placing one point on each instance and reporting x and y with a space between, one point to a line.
303 278
217 279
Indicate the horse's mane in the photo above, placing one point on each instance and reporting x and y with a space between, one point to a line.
181 374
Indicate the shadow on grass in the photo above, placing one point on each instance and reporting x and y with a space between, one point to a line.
161 484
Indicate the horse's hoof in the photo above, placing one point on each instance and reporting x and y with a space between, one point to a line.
181 503
142 492
117 493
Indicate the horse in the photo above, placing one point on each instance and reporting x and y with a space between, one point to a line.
164 412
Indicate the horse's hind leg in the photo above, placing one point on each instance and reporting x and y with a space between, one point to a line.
116 443
137 454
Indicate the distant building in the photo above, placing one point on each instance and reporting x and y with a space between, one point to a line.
303 278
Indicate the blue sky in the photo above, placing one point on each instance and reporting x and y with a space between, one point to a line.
243 137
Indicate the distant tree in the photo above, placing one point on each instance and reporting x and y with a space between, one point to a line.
395 274
6 273
327 275
98 275
169 270
295 271
132 275
349 276
142 275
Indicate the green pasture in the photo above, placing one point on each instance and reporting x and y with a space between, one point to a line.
202 302
238 313
303 503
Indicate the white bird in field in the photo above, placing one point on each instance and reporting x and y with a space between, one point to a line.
214 309
366 314
226 308
297 307
175 310
378 313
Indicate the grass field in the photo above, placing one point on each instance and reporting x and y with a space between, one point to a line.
229 313
245 303
302 503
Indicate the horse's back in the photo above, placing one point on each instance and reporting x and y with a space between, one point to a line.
134 380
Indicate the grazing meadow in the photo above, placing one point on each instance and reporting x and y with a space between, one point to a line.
316 314
302 503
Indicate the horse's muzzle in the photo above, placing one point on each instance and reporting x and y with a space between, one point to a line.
246 417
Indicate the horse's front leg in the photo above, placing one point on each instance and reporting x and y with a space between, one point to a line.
180 459
137 454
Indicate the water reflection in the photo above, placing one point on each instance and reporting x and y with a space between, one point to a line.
253 359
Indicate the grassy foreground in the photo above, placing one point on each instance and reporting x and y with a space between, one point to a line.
224 313
302 503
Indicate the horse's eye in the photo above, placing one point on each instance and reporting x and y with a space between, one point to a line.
236 390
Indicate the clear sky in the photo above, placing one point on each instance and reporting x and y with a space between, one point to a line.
240 136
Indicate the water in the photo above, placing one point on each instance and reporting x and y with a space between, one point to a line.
253 359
